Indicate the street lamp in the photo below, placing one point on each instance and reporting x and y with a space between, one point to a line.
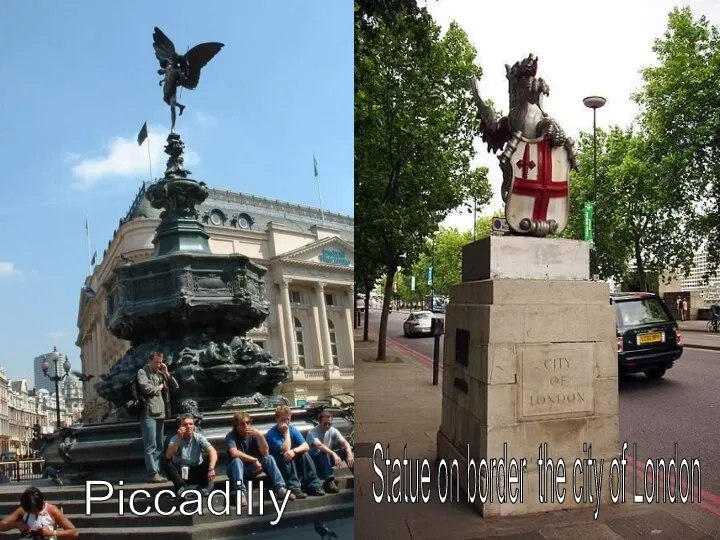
57 378
594 103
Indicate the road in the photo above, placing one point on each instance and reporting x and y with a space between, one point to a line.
683 407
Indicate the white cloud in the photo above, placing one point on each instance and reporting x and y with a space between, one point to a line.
8 269
54 335
124 158
583 49
205 119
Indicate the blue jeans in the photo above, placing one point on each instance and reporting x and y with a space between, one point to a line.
153 436
324 466
299 472
239 471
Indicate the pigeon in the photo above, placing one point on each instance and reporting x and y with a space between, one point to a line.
323 531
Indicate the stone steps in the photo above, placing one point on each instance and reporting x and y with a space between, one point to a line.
106 522
76 504
223 530
114 519
11 492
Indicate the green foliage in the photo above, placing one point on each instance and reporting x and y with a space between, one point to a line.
444 253
414 130
636 211
681 115
636 283
478 191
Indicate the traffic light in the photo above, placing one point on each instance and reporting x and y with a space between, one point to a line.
37 432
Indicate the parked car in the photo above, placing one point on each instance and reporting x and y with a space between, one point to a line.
435 303
418 323
648 338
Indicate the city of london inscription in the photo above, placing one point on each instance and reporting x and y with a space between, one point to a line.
556 380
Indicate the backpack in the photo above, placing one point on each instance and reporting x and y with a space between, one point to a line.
136 405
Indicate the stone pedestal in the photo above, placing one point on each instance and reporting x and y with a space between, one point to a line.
529 359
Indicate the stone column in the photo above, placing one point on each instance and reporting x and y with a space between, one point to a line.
324 328
289 325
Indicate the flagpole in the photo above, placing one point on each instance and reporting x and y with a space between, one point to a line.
149 160
87 237
317 178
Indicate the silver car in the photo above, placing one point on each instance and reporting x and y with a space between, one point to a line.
418 324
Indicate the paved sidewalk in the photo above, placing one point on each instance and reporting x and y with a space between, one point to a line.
693 326
398 406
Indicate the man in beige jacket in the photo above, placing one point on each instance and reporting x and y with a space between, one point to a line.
154 382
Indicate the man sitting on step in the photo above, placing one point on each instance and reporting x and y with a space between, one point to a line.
184 462
328 449
248 454
290 451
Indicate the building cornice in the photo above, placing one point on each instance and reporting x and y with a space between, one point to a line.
316 245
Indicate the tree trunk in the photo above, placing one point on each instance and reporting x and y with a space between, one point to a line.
366 326
640 266
387 297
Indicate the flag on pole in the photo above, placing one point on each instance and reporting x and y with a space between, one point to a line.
94 257
143 134
87 239
322 212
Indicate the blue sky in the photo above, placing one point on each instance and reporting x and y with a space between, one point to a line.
78 81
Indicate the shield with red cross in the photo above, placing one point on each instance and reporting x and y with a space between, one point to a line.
539 189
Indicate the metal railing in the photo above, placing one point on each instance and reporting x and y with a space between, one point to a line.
21 469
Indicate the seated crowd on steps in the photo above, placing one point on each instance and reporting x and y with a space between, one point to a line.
302 465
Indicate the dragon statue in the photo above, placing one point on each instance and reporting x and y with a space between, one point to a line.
536 157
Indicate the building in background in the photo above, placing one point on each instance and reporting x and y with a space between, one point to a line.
309 285
73 396
695 280
39 378
4 411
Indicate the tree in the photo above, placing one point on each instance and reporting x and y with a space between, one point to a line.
479 192
443 251
681 114
367 272
636 212
414 130
612 250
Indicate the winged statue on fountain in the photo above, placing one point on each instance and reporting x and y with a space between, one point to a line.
180 70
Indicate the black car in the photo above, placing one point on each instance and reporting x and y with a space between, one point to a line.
648 339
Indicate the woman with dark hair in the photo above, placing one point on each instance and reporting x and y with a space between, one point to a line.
37 519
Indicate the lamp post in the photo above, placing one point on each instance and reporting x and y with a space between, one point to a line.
594 103
57 378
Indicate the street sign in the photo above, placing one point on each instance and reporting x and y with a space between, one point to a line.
500 227
430 275
589 209
412 283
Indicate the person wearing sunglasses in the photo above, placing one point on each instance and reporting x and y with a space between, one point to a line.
249 455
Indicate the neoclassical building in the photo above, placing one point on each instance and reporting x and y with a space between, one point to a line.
309 257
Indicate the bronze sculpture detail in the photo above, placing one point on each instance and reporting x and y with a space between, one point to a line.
180 70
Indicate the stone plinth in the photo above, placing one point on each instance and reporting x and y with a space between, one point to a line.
527 362
514 257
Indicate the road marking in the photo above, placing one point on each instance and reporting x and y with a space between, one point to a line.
416 354
708 501
702 348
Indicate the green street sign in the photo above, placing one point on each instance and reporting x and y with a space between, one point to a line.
589 209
